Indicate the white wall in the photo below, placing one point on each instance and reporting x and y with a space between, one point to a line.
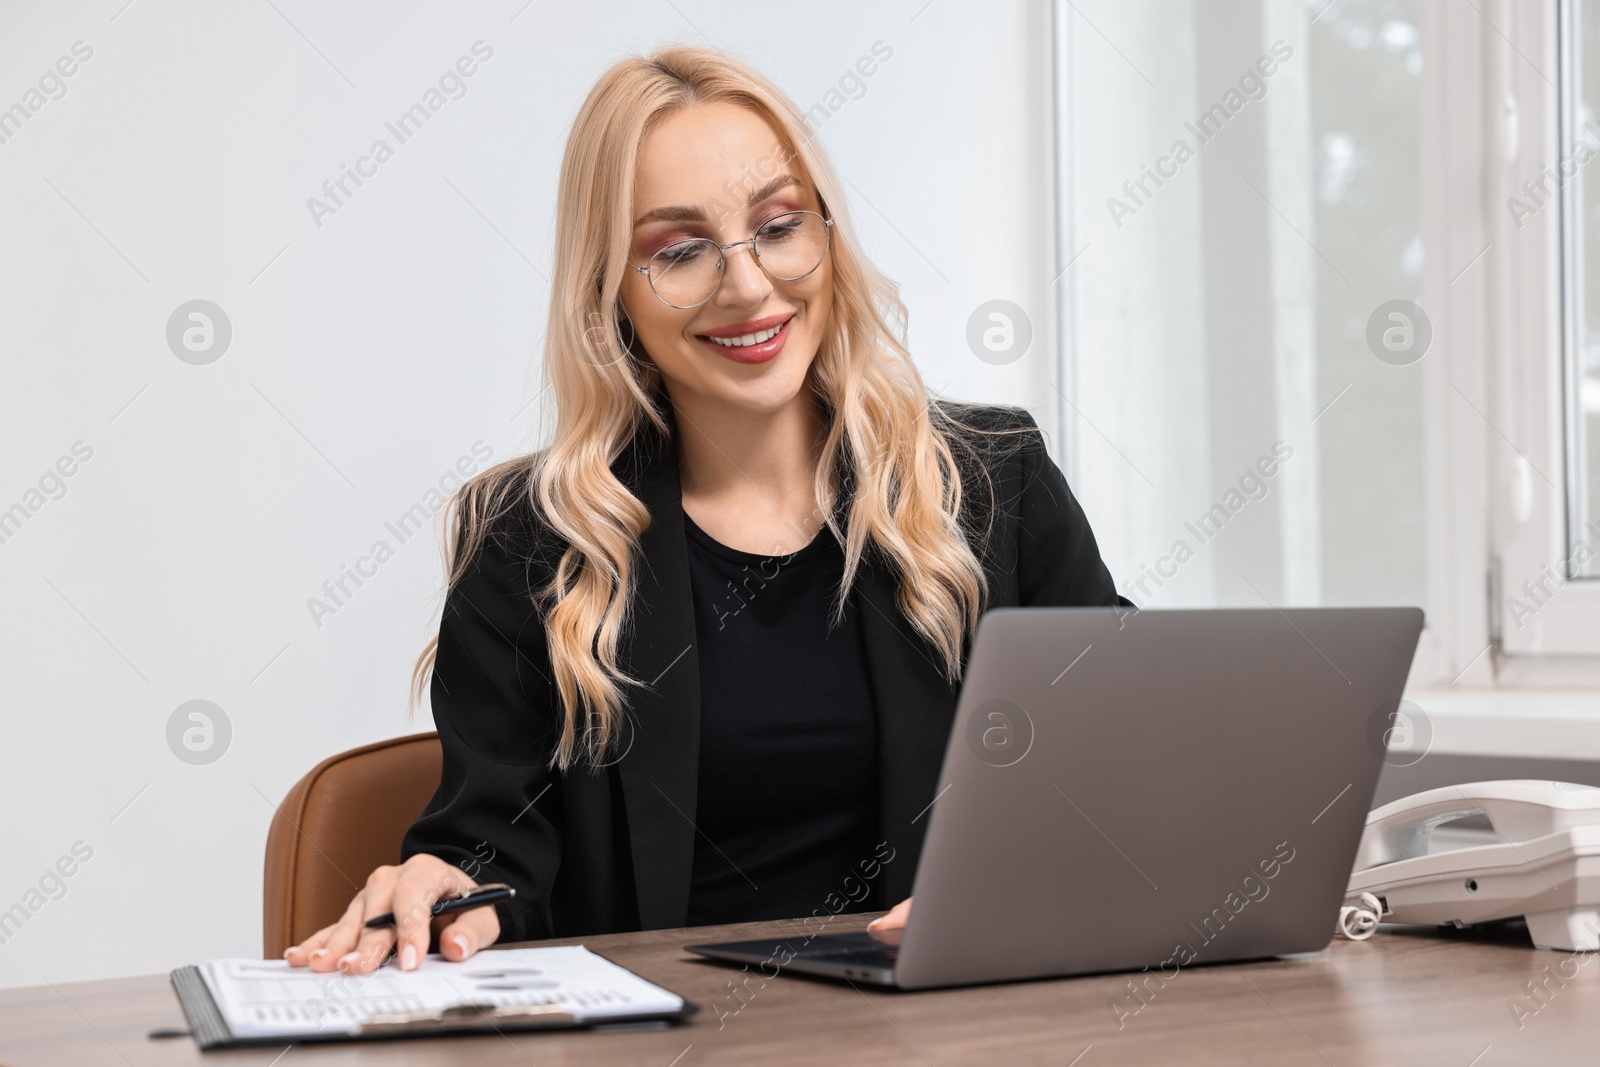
368 356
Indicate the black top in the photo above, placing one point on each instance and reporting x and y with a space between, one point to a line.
594 851
787 800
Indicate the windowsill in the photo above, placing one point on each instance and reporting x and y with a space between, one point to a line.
1529 723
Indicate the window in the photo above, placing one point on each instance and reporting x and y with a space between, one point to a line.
1365 63
1546 320
1244 192
1580 113
1289 225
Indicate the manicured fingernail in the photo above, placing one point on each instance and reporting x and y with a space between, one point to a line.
408 958
348 957
287 951
460 941
317 955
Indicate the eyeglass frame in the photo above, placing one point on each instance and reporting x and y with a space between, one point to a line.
722 258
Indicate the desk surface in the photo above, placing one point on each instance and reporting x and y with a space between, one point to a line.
1405 997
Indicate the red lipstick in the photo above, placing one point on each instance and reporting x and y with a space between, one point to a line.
759 352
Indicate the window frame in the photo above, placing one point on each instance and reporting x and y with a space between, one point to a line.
1572 270
1546 622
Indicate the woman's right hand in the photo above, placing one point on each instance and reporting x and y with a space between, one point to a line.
409 891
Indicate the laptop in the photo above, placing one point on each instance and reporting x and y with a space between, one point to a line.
1138 789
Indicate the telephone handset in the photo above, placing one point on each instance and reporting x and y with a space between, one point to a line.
1543 864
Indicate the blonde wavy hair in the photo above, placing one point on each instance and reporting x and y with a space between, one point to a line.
887 449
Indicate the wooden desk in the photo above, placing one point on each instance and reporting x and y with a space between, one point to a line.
1405 997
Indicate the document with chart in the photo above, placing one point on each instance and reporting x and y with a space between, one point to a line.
236 1002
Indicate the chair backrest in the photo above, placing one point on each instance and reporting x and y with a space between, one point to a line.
339 822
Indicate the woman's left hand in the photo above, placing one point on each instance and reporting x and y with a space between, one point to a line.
893 919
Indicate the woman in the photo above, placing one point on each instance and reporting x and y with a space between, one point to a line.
699 657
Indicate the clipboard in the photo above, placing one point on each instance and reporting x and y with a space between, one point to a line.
210 1027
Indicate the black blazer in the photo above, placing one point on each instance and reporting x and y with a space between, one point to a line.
598 851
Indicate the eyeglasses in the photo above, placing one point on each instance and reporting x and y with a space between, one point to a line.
788 247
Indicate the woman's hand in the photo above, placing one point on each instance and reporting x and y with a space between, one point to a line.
893 919
409 891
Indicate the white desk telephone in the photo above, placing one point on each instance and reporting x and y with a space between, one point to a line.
1542 863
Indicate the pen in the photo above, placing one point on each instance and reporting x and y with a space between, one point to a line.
492 893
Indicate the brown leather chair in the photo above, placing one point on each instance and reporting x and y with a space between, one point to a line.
339 822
